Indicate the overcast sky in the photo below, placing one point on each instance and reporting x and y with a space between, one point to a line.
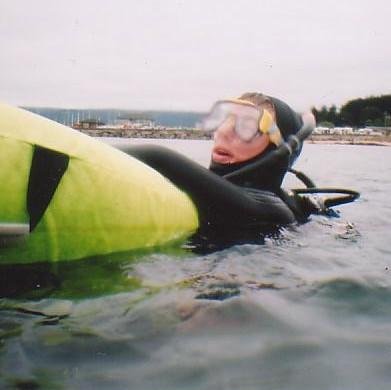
172 54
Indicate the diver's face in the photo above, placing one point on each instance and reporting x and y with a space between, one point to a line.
228 148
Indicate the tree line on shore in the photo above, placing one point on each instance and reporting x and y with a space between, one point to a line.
372 111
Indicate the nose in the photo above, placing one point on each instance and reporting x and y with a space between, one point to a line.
226 129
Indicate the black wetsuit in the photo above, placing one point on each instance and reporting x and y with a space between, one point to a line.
267 177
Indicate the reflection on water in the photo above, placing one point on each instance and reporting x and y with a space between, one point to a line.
308 309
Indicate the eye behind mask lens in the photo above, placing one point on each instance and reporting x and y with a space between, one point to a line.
246 128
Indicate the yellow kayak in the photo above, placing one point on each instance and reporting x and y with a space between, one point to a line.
65 195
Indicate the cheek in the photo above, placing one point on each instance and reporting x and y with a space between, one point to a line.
245 151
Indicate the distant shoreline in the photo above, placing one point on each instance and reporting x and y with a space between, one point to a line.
195 134
350 139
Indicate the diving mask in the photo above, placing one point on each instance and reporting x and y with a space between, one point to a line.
250 121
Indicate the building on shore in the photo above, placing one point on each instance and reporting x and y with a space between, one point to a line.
376 131
88 124
135 122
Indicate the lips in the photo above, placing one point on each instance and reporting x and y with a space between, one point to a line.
221 155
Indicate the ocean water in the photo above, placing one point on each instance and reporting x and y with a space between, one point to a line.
310 309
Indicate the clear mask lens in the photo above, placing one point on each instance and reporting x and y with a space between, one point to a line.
246 128
246 119
215 118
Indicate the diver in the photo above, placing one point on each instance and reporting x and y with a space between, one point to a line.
251 147
257 138
247 129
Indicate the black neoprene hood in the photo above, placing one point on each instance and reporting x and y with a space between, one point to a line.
288 121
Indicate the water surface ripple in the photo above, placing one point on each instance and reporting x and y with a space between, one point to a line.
310 309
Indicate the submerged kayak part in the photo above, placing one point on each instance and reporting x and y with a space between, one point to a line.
220 204
79 196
